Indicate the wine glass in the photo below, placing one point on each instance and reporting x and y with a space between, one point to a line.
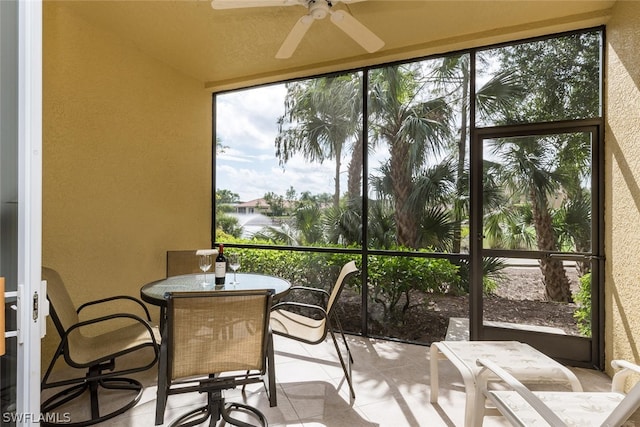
234 264
205 265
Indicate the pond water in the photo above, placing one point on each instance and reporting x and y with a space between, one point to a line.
252 223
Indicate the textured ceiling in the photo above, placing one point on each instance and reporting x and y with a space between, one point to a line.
236 47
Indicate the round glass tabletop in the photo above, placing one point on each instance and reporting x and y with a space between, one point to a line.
154 292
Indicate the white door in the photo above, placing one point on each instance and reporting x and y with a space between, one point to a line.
20 210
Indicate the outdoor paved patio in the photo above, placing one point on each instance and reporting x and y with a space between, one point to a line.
391 381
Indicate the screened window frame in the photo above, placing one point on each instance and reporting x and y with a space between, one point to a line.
457 258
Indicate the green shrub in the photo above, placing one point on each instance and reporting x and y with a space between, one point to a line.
489 285
583 300
492 271
394 279
300 268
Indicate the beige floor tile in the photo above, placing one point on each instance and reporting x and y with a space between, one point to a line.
313 399
400 411
391 380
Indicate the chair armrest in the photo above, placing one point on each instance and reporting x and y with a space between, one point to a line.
109 317
537 404
69 354
285 304
624 369
316 295
309 288
116 298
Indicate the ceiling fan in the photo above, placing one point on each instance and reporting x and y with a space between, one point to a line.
318 9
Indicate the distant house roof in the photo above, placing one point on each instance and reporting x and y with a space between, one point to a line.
256 203
259 205
252 206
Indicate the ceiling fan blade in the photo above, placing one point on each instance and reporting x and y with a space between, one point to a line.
357 31
295 37
237 4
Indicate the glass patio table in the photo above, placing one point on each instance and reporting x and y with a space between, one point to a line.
154 292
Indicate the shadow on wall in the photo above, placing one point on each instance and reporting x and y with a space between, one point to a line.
624 320
625 169
623 38
622 88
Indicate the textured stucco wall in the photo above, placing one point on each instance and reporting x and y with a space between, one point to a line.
622 185
127 160
127 170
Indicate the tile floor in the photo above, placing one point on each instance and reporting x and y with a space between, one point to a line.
391 382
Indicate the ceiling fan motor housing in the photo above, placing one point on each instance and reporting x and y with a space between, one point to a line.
319 9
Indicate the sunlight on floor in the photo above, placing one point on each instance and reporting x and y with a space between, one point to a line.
391 381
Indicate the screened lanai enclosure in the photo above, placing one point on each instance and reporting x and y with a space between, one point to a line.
466 186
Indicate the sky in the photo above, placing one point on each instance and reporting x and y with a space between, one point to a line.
247 125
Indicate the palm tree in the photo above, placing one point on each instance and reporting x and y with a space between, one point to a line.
573 224
530 171
343 224
416 130
538 168
321 115
285 234
413 129
496 96
574 228
433 188
307 217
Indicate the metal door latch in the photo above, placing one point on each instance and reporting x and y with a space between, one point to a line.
35 306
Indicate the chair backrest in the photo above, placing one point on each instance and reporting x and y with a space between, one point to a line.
63 311
347 270
217 331
182 262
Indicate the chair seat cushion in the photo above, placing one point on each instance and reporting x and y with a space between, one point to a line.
575 409
86 350
297 326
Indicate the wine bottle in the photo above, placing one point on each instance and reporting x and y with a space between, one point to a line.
221 266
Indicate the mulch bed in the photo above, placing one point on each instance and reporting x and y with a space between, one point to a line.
518 299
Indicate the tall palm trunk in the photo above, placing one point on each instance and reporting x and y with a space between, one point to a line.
402 184
556 284
462 149
336 191
354 179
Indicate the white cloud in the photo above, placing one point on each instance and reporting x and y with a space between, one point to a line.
252 180
247 125
248 118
